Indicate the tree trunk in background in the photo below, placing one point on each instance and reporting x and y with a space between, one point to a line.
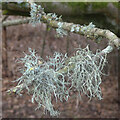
4 53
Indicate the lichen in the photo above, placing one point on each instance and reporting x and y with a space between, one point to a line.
60 31
60 75
36 13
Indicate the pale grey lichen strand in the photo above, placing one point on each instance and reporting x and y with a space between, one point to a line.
60 31
44 80
36 13
53 16
86 76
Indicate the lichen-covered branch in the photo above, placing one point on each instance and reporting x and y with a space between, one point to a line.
39 13
15 22
113 39
76 28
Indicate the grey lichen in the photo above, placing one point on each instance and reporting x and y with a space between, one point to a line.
47 79
36 13
86 75
87 28
60 31
53 16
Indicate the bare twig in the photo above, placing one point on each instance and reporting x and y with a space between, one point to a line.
43 45
15 89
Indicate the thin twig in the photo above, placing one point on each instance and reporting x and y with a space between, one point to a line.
67 45
4 50
43 45
5 17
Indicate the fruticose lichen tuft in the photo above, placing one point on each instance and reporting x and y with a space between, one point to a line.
59 75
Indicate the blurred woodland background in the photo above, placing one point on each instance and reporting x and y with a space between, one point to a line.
17 39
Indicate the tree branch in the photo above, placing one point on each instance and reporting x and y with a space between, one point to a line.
113 39
15 22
